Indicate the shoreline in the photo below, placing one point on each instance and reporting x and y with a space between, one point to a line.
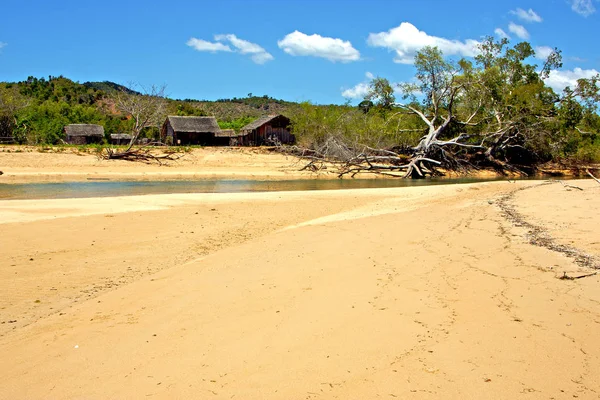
28 165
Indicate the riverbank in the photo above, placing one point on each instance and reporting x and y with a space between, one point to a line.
29 164
423 292
23 164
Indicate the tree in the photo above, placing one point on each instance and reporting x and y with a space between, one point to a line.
498 107
146 110
11 102
440 88
381 94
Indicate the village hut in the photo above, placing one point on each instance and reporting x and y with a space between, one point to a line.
120 138
190 130
226 137
268 130
84 133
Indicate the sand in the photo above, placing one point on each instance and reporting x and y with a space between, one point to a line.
22 164
423 292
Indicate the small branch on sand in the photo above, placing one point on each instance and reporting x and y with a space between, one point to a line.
593 177
569 187
572 278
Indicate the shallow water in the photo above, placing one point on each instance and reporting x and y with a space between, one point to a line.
129 188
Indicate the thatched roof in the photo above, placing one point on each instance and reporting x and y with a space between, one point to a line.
84 130
259 122
194 124
120 136
226 133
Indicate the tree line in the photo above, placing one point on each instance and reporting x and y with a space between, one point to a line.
492 110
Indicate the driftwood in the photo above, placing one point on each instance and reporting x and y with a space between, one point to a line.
593 177
569 187
572 278
143 154
407 162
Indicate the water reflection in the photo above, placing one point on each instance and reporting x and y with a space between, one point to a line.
129 188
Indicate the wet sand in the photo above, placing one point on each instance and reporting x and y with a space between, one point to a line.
424 293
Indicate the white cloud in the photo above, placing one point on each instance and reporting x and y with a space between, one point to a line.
501 34
203 45
542 52
558 80
518 30
256 52
583 7
360 90
2 44
529 15
406 40
300 44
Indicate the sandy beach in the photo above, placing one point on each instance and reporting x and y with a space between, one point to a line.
438 292
22 164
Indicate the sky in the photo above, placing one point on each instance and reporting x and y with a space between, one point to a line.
323 51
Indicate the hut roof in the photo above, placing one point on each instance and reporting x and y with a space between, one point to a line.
226 133
122 136
259 122
194 124
84 130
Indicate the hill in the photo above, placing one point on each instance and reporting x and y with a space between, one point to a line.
36 110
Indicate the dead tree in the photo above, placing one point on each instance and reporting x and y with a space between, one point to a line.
147 108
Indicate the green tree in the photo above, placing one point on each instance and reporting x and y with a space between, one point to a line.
381 94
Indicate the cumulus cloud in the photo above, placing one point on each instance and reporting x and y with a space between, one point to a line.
558 80
583 7
529 15
406 40
360 90
256 52
203 45
501 34
301 44
518 30
542 52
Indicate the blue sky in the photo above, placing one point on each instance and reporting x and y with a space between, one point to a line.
321 51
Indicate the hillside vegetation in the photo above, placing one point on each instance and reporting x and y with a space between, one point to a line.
493 110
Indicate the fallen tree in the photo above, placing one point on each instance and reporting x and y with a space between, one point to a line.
495 112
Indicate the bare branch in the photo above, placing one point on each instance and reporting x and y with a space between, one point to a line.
593 177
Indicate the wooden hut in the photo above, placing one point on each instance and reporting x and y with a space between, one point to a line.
120 138
269 130
226 137
84 133
190 130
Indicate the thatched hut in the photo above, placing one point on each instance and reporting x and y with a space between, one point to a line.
120 138
190 130
84 133
271 129
227 137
